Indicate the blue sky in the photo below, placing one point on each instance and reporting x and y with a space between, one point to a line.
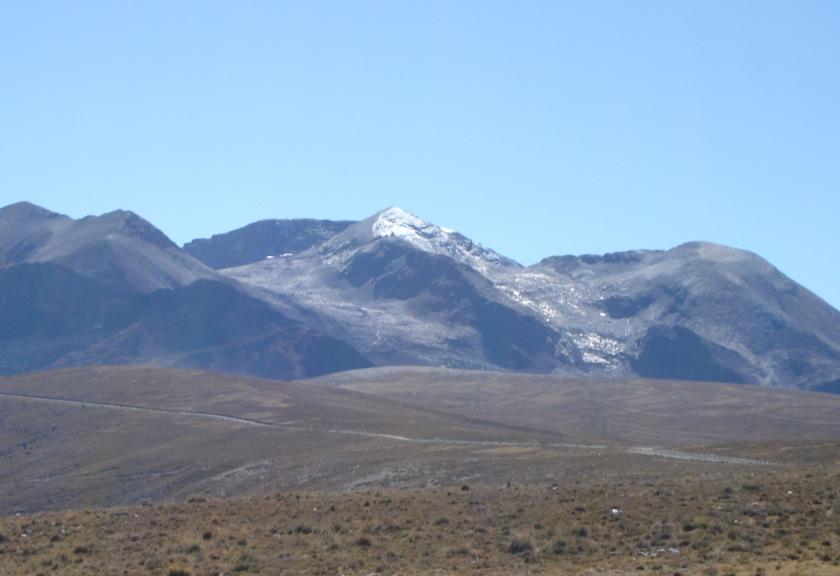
536 128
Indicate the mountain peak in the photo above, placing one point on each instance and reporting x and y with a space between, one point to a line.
131 224
401 224
714 252
22 211
394 222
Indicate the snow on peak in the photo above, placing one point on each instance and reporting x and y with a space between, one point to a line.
398 223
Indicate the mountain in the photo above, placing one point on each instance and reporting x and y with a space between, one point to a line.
294 298
408 292
261 240
113 289
50 316
699 311
48 311
120 248
215 326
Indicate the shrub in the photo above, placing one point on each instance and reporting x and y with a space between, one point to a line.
364 542
520 547
245 563
207 535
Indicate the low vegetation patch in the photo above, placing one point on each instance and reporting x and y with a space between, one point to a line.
693 525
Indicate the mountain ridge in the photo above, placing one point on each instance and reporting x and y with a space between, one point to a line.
400 290
118 247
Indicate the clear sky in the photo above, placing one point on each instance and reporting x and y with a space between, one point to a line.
535 128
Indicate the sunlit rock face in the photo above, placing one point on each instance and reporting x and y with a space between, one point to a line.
409 291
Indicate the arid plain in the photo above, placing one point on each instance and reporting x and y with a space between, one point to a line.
413 471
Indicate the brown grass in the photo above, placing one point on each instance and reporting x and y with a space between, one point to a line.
782 521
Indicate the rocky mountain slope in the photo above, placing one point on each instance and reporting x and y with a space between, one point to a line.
119 248
260 240
292 298
406 292
410 292
115 290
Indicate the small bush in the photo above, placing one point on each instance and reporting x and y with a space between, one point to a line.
245 563
441 521
207 535
364 542
520 547
178 572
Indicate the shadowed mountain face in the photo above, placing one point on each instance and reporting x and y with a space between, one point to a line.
312 297
261 240
704 311
48 311
432 285
113 289
213 325
51 316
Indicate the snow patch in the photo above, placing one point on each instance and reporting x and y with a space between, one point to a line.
400 224
397 223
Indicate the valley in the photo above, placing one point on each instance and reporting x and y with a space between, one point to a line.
136 470
106 436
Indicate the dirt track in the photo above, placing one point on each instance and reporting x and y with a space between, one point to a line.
651 451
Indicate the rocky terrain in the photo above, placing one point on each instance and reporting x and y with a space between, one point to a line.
408 292
297 298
